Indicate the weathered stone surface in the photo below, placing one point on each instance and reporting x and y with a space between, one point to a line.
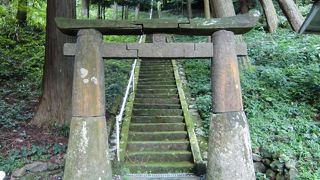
291 164
36 169
293 174
271 174
256 157
87 154
277 165
280 176
88 82
229 154
158 50
238 24
225 79
259 167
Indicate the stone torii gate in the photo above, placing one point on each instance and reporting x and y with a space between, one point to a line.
229 155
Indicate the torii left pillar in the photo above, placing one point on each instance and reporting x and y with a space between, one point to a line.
88 152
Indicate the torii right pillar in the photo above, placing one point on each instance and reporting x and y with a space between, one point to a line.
229 154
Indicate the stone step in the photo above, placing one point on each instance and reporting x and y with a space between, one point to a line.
155 67
157 112
161 79
152 73
157 100
148 83
156 86
158 145
156 127
151 91
156 95
164 167
163 156
146 76
156 106
158 136
157 119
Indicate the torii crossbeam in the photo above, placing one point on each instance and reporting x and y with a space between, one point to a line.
229 155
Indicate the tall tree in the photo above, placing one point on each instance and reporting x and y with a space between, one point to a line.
292 13
244 6
271 14
85 8
189 5
22 12
55 103
206 9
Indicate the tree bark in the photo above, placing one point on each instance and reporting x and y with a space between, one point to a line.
115 6
206 9
22 12
85 8
137 10
271 14
292 13
189 9
244 6
126 12
55 103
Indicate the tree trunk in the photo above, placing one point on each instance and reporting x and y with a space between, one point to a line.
137 10
115 6
85 8
22 12
225 8
206 9
126 12
55 103
189 9
292 13
244 6
271 14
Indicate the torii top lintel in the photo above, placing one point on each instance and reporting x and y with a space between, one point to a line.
239 24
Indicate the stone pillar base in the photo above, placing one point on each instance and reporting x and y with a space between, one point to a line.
87 154
230 155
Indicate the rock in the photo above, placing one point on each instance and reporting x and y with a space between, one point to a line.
266 154
280 176
259 167
266 162
2 175
271 174
35 169
293 174
291 164
277 165
256 157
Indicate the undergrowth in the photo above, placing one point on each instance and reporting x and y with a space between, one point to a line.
281 95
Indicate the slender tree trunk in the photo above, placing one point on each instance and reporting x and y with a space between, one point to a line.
271 14
126 12
99 11
85 8
137 10
292 13
206 9
244 6
115 6
122 12
55 103
22 12
189 9
225 8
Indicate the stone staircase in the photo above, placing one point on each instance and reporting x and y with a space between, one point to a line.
158 140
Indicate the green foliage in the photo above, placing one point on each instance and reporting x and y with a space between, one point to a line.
281 96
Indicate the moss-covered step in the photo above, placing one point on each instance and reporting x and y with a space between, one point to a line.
155 71
155 106
163 156
157 136
156 67
151 91
164 167
158 145
157 100
156 79
157 112
157 127
151 83
157 119
144 76
157 95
